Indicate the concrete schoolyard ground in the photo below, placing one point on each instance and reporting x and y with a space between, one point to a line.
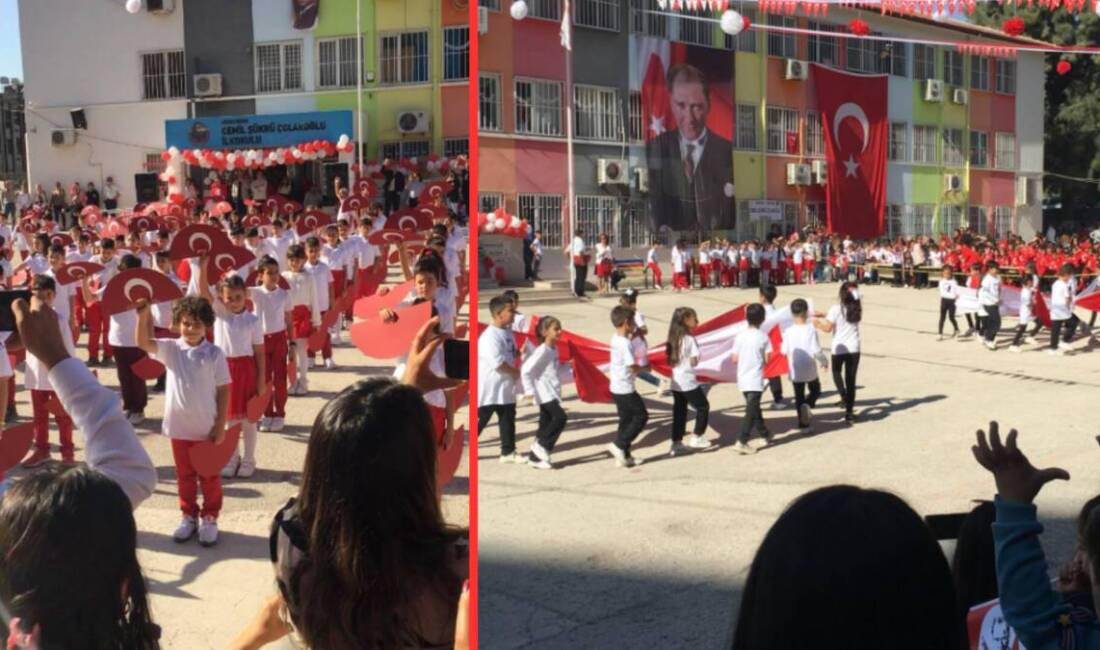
590 555
202 597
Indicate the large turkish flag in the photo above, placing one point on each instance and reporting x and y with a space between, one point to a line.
853 118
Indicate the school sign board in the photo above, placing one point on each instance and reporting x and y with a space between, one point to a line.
257 131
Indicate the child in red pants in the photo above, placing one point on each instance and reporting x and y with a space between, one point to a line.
98 324
305 313
271 304
196 405
36 377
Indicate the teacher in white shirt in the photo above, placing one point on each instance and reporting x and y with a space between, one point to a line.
579 252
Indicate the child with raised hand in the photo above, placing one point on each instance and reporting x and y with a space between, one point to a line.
37 380
541 371
682 352
196 407
305 313
803 351
271 304
750 352
239 335
632 412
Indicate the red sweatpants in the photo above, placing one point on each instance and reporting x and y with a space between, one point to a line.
798 274
275 351
79 310
188 481
680 280
40 400
704 275
653 266
98 324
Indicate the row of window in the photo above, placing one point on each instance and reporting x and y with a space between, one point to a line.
403 58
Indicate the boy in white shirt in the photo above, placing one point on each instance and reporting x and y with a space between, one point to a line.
679 281
97 323
989 300
750 350
279 243
196 406
324 285
768 294
1027 312
536 254
949 294
37 380
802 349
633 415
1062 293
497 375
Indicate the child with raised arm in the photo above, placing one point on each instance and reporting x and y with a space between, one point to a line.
633 415
750 352
196 406
120 335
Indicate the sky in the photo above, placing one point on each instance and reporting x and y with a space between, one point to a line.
11 60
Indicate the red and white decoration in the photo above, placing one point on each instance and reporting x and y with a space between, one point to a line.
499 222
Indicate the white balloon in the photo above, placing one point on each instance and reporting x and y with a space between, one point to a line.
515 222
519 10
133 6
500 224
728 190
732 22
490 226
172 151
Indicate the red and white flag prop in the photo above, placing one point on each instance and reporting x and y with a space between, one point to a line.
986 628
1090 297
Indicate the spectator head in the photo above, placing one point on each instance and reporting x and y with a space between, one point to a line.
873 569
973 569
1065 270
754 314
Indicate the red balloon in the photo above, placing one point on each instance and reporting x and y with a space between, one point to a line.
171 180
1063 67
165 156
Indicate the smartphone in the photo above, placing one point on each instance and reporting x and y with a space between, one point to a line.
456 358
7 317
946 526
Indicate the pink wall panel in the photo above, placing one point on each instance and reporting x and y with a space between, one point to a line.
539 53
456 111
496 165
992 188
539 167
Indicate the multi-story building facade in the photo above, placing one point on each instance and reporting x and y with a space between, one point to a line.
13 155
973 157
131 73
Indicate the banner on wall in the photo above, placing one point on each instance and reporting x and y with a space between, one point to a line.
687 123
305 13
257 131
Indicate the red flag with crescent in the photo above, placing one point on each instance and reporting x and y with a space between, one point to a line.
856 128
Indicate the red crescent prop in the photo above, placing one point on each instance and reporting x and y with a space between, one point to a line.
143 223
114 228
198 239
257 405
378 339
351 204
437 189
173 222
177 211
134 284
15 442
227 260
91 220
449 459
290 207
208 459
148 368
20 276
76 271
253 280
387 236
89 209
153 207
310 221
274 203
365 189
222 207
368 308
61 238
28 225
257 220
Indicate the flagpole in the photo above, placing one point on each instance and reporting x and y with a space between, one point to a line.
567 29
359 144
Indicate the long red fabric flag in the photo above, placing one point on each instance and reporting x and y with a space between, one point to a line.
592 385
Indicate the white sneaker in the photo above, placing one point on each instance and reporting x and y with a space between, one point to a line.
208 531
136 418
312 364
513 457
939 338
990 345
276 424
804 415
779 404
246 469
1030 340
744 449
330 364
698 442
1056 353
678 449
299 390
230 469
264 425
1064 346
539 463
664 387
186 530
620 456
540 452
1015 348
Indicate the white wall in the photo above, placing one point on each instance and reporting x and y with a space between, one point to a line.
1030 91
272 21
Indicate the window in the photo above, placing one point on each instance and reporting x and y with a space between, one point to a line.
953 147
979 72
453 147
406 149
815 138
598 215
638 231
538 107
782 44
1002 221
782 126
647 18
162 75
894 58
278 67
922 217
924 62
456 53
1006 151
899 142
543 212
492 5
747 127
895 220
600 14
1006 76
336 62
823 49
746 40
815 215
548 9
404 58
861 55
489 201
154 163
488 105
979 219
952 219
924 145
979 149
694 30
637 132
953 67
597 111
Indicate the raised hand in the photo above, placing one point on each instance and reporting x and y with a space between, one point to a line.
1017 479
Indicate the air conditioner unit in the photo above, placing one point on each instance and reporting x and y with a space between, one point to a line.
820 171
612 171
413 122
933 90
208 85
63 137
641 176
796 69
1025 191
960 96
482 20
952 183
160 6
798 174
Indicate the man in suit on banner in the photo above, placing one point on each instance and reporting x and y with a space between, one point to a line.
691 175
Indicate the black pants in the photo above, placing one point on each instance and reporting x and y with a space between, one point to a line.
1021 330
845 367
552 421
992 322
1070 325
775 384
110 204
506 416
974 323
800 397
754 418
633 417
392 202
680 401
947 310
578 282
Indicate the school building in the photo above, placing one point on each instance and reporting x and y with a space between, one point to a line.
966 131
186 59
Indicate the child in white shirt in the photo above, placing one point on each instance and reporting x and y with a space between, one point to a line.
324 284
497 375
949 294
272 306
633 415
305 313
802 349
682 352
37 381
1027 310
541 371
750 351
989 301
1062 293
536 254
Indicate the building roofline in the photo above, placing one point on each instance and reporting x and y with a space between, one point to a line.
972 29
